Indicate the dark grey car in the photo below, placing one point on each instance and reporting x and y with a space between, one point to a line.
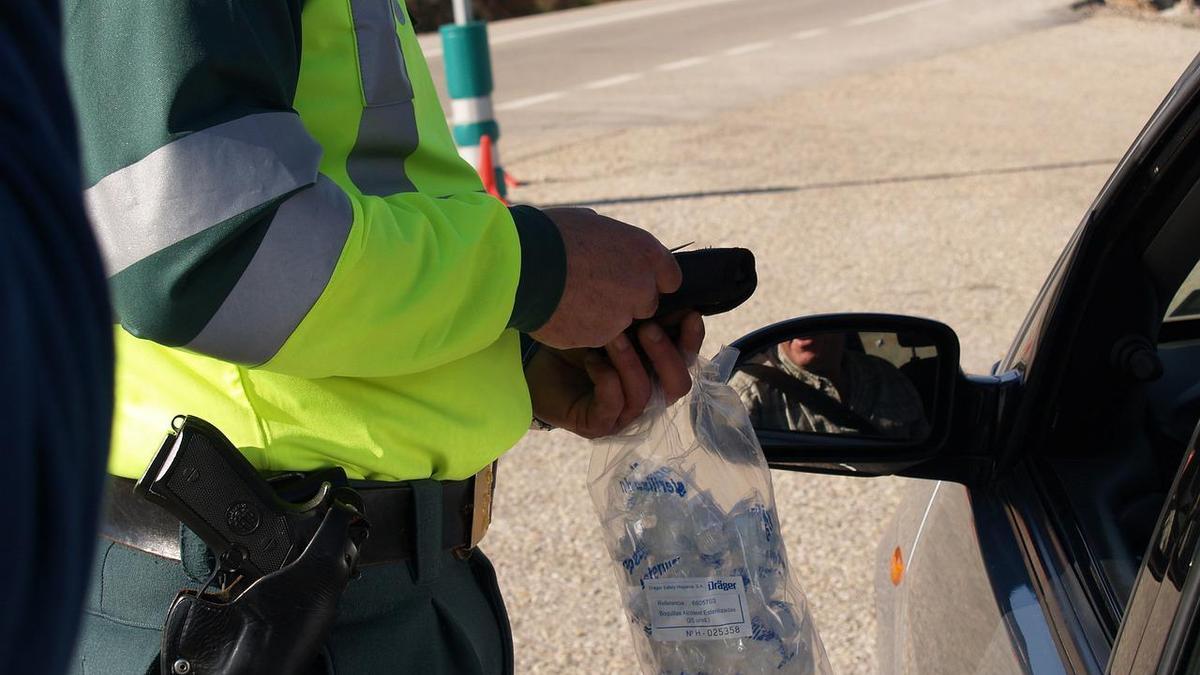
1061 521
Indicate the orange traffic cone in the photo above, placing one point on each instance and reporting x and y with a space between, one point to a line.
487 169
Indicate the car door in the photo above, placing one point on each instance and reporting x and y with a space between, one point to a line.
1159 632
1031 535
1095 442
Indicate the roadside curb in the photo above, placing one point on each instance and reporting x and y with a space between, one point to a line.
1181 14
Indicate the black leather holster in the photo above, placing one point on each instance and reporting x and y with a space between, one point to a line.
276 623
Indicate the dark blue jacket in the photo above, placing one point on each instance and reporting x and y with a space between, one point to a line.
55 351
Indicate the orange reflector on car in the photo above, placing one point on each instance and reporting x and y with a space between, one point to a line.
897 567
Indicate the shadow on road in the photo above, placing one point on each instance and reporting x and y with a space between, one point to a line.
833 185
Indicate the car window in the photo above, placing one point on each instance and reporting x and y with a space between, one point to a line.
1021 352
1186 303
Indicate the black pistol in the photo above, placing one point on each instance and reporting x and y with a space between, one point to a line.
204 481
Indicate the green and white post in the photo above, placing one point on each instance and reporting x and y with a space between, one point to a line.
469 82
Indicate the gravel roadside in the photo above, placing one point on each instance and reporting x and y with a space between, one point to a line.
942 188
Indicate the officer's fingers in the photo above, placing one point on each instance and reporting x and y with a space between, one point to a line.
607 399
608 322
667 275
668 362
635 382
691 336
648 306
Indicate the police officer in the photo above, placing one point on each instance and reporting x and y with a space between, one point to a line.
298 255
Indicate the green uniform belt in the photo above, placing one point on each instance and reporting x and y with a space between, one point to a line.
390 508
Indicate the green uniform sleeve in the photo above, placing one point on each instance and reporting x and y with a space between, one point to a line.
221 234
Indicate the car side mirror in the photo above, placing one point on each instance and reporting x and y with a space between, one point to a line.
860 394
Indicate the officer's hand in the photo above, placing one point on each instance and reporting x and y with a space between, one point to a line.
615 273
596 393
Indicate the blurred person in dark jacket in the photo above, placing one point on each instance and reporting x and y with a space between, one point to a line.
55 350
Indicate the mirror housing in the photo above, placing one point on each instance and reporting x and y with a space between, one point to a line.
857 454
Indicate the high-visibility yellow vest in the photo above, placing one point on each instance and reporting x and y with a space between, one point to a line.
295 250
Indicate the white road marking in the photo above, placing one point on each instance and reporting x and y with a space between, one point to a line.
746 49
912 551
564 27
683 63
612 81
528 101
617 80
810 33
894 12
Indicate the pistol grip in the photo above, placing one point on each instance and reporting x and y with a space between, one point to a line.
202 479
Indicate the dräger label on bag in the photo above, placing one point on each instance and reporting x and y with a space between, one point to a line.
697 609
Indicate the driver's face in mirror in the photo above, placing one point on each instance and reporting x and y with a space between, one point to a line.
840 383
819 354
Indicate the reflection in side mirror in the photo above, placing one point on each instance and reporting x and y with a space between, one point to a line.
865 384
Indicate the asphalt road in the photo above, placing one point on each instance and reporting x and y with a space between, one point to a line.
569 75
936 173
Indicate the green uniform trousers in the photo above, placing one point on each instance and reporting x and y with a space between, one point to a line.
433 614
